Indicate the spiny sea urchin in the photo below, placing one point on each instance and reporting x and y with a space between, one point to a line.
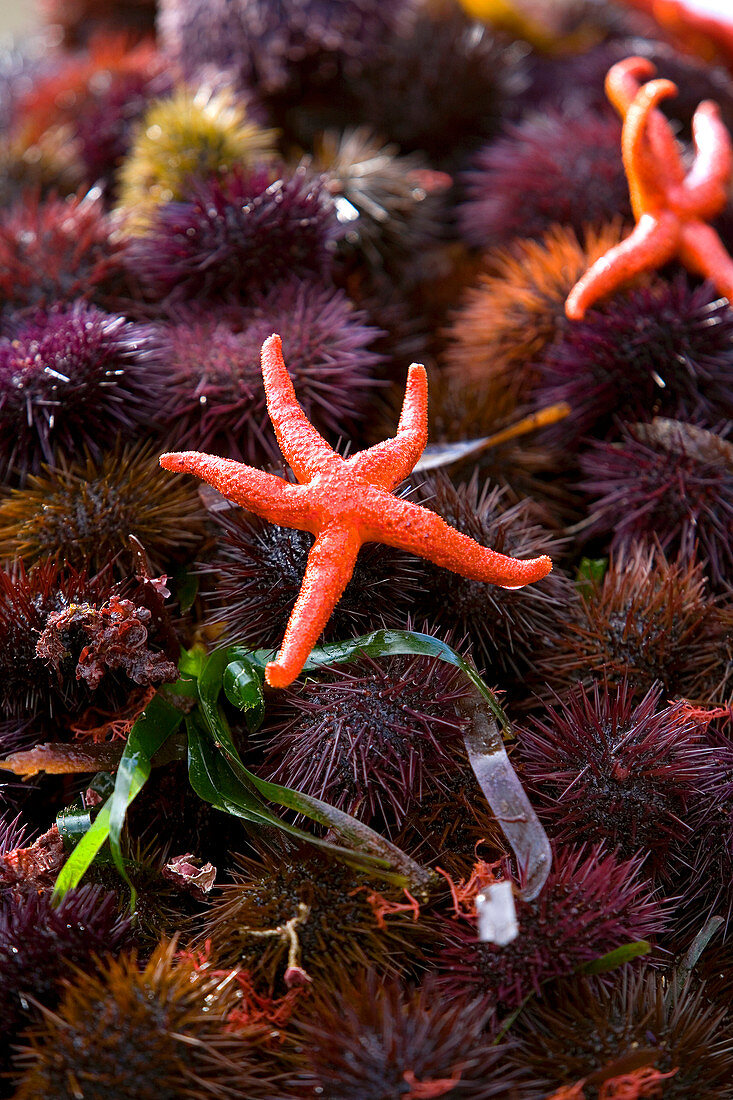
152 1031
371 738
518 308
59 250
597 1030
71 378
503 626
382 1042
550 168
258 569
214 398
237 234
450 76
85 512
667 480
591 903
186 138
391 206
666 348
648 620
602 767
334 920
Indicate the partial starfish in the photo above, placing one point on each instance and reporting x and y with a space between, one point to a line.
344 503
671 205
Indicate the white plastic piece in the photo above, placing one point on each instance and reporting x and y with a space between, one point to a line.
497 915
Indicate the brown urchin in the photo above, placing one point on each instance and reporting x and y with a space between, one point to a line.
153 1031
84 512
648 620
371 737
597 1030
306 906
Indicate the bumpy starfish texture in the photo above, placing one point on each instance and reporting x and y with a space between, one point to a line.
672 205
344 503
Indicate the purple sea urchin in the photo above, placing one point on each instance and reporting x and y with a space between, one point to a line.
504 626
215 399
72 378
450 76
667 480
372 738
237 234
40 943
604 768
592 903
666 348
85 512
59 250
273 47
550 168
648 620
382 1042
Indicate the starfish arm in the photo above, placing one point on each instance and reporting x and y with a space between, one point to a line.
702 251
703 192
419 531
330 566
264 494
649 174
388 463
652 243
623 81
304 448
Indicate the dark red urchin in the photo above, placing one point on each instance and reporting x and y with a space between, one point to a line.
591 903
604 768
236 235
649 620
345 921
668 481
547 169
41 942
215 399
663 349
503 626
382 1042
73 378
599 1030
258 569
85 512
371 737
449 74
59 250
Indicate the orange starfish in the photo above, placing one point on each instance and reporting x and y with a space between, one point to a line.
671 205
344 503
